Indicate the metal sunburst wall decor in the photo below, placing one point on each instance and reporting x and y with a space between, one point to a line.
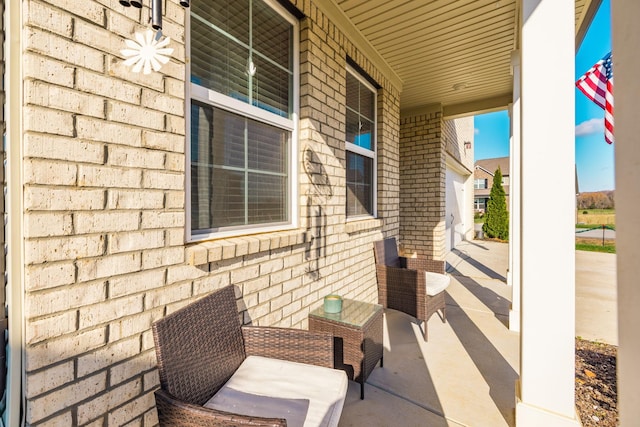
149 51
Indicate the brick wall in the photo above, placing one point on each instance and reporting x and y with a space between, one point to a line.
422 185
455 132
104 191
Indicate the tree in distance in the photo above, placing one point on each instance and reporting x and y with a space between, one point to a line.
496 222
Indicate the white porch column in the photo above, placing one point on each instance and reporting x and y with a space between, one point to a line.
546 390
15 210
513 275
626 68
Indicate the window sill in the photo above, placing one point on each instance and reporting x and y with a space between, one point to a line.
358 226
217 250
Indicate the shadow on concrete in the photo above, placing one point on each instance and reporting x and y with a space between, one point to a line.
498 304
494 368
404 380
478 265
471 242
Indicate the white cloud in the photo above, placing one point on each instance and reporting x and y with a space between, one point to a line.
589 127
476 131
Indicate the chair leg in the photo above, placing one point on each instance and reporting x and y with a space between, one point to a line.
444 314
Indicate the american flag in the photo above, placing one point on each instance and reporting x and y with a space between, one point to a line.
597 85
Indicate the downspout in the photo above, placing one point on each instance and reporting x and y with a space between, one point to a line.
14 205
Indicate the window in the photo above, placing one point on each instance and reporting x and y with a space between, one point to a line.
479 184
360 146
243 69
480 204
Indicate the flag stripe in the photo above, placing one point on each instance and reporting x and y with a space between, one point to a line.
597 85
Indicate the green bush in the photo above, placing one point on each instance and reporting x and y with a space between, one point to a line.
496 223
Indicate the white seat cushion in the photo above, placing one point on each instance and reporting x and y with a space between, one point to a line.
436 282
305 395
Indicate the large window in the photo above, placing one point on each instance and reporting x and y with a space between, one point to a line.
243 71
360 146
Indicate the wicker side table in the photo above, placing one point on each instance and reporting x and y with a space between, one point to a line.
357 332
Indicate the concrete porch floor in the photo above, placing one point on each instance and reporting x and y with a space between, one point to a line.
465 374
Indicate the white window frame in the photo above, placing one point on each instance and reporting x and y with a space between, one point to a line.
363 151
484 184
232 105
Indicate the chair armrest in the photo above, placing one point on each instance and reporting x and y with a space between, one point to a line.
176 413
294 345
424 264
403 280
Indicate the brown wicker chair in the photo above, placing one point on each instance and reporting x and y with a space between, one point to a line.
200 347
402 283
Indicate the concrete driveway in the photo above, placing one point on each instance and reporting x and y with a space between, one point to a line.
596 233
596 297
596 288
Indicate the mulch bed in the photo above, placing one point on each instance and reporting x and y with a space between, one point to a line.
596 388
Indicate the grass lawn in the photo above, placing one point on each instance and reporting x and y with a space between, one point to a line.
597 211
612 226
596 216
595 245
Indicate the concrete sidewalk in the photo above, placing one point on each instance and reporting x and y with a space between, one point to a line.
465 374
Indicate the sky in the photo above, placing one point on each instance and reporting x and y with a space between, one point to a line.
594 157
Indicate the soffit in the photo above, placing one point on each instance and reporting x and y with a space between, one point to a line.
456 53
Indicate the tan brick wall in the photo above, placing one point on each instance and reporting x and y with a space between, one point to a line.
422 185
104 216
455 132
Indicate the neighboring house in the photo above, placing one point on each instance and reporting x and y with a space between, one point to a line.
279 141
483 181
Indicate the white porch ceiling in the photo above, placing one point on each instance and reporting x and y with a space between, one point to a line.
456 53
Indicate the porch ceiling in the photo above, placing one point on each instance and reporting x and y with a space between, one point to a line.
456 53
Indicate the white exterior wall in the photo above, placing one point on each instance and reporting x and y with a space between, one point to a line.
459 137
456 209
514 273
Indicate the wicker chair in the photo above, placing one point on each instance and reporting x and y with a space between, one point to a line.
201 347
415 286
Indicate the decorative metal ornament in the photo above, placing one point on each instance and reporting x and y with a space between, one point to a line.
147 52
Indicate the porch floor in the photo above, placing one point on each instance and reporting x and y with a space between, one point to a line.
465 374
